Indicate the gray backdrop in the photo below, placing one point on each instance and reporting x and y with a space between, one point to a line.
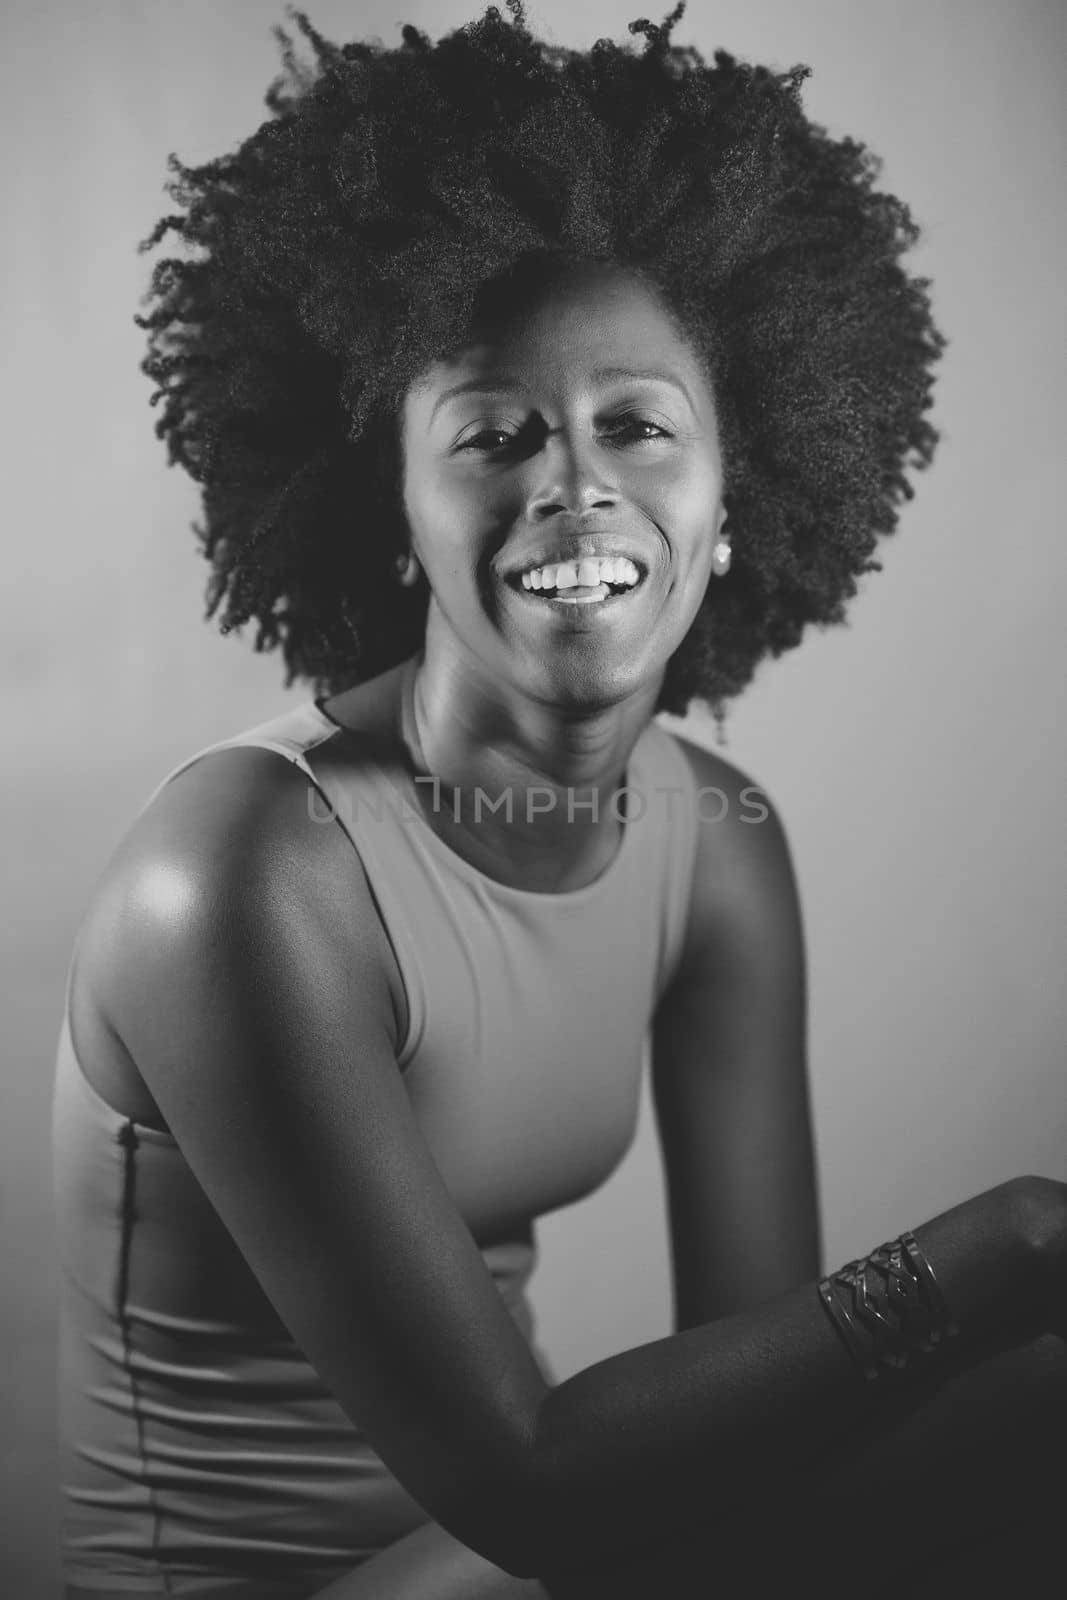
917 755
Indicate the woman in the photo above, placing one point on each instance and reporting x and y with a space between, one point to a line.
532 393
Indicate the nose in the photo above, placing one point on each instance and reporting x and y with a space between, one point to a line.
570 478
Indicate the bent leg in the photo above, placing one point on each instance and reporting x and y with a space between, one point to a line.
962 1494
970 1482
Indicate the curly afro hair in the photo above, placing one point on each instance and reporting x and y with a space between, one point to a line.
345 244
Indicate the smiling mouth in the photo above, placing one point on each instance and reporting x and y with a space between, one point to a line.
601 594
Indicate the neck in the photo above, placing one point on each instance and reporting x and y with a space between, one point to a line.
549 776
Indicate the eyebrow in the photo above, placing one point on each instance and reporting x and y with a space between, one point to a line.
509 385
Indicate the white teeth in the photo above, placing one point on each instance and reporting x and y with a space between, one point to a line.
587 572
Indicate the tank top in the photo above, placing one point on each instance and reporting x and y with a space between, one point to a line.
199 1447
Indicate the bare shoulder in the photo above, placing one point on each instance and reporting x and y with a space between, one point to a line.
743 868
231 835
229 807
737 819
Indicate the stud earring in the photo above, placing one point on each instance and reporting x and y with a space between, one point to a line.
720 558
407 568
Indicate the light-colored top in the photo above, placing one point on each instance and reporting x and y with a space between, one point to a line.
198 1443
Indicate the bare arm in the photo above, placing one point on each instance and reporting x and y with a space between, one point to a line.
729 1069
430 1564
249 991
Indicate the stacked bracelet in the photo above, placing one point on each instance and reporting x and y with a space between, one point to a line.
889 1310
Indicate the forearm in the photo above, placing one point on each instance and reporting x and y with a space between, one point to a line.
430 1564
630 1450
705 1293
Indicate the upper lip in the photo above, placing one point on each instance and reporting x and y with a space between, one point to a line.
578 546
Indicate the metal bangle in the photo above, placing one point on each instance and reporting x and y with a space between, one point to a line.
889 1310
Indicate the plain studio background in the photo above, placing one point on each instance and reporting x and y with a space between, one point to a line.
917 754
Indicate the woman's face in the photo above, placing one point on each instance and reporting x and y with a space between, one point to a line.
582 425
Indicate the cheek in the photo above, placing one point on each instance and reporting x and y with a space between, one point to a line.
450 500
445 520
687 503
435 516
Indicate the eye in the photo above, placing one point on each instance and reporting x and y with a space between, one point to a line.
630 422
487 433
